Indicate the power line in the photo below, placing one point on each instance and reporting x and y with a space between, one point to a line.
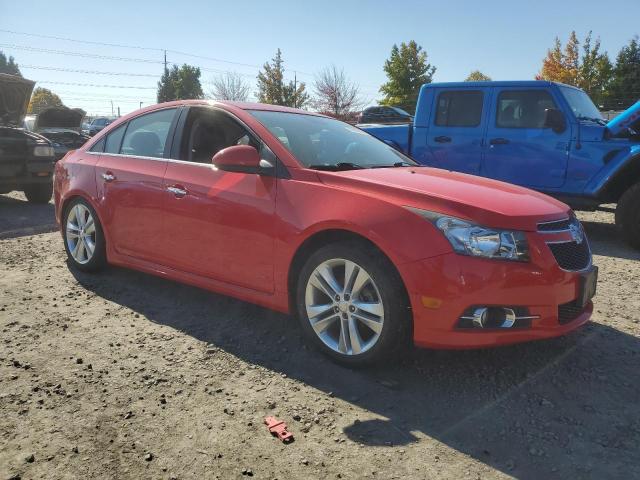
78 54
93 85
92 72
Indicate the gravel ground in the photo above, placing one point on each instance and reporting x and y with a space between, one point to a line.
124 375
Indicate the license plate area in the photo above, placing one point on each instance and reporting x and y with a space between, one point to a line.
587 286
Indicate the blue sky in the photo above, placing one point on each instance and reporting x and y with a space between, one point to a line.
504 39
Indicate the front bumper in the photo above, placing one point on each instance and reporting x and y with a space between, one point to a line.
443 287
16 175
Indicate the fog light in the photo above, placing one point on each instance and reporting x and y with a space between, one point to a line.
491 317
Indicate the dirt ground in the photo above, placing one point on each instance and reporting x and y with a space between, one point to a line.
123 375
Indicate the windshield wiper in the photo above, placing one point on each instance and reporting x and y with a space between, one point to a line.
599 121
336 167
396 165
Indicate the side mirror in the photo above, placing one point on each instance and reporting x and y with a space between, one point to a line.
554 119
239 158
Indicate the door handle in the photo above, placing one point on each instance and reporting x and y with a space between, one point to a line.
108 177
178 191
498 141
442 139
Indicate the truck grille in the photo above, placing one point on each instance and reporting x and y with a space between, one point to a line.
572 256
568 312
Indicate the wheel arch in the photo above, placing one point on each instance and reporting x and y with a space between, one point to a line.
325 237
79 194
621 180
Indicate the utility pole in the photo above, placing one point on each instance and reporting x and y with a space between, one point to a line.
140 105
112 108
295 89
165 60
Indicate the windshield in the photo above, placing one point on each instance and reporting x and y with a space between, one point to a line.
581 104
324 142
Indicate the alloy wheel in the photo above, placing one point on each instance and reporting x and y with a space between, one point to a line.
81 233
344 306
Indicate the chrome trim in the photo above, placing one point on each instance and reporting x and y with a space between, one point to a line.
552 221
509 321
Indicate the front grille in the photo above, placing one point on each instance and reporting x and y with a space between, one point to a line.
568 312
557 226
572 256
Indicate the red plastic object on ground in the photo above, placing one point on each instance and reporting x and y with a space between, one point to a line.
279 429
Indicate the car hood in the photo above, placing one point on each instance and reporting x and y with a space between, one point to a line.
59 118
481 200
15 93
630 118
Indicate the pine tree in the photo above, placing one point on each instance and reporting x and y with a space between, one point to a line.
477 76
407 70
272 88
180 84
9 66
625 83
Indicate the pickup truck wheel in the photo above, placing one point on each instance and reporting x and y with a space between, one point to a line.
352 305
39 192
83 236
628 215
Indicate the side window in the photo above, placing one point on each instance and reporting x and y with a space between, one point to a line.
208 131
147 134
523 108
98 147
114 140
459 108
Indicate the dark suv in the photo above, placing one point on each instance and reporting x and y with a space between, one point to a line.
384 114
26 158
98 124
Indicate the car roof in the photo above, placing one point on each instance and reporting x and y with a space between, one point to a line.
496 83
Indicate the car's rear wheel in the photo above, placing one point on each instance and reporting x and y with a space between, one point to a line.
83 236
352 304
39 192
628 215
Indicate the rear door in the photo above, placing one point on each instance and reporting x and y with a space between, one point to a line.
519 149
129 178
455 136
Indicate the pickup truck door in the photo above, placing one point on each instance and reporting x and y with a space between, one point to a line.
519 149
455 134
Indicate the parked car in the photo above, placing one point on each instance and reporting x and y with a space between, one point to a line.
384 114
98 124
62 126
309 215
26 158
542 135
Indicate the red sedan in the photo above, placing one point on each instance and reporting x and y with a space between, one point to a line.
308 215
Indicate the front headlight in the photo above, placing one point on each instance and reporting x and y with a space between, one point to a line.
470 239
43 151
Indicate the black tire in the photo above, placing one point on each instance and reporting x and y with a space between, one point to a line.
99 259
395 334
628 216
39 192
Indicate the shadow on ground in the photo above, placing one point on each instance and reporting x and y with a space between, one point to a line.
564 408
606 240
19 217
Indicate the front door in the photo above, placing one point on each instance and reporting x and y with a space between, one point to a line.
456 131
218 224
129 176
519 149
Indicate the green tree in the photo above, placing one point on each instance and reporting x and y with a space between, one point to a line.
562 66
624 89
595 70
407 70
9 66
477 76
42 98
273 89
180 83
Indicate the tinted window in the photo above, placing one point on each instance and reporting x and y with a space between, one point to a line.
523 108
98 147
459 109
114 139
146 135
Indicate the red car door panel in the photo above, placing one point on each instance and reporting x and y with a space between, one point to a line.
130 190
220 224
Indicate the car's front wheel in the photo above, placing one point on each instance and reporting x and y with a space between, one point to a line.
83 236
39 192
352 304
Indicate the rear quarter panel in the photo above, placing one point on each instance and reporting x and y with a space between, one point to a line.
75 176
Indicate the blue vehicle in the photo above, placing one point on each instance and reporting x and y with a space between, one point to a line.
543 135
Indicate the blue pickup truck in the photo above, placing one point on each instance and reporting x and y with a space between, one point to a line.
543 135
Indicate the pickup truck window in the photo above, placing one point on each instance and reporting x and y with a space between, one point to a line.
523 108
459 108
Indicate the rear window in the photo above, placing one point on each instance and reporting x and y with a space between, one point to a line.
459 108
98 147
114 139
523 108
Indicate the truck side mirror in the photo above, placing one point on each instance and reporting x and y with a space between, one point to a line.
554 119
